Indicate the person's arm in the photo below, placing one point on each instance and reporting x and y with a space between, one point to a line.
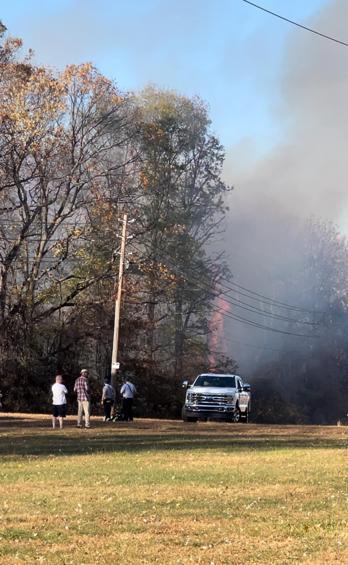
75 386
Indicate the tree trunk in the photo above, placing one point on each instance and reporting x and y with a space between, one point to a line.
179 338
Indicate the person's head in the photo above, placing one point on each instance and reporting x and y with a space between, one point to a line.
59 379
84 373
106 381
128 375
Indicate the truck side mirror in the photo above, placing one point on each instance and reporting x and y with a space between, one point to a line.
246 387
185 384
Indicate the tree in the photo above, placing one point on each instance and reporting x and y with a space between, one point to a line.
182 210
64 142
75 154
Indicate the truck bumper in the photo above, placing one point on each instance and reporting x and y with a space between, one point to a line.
220 413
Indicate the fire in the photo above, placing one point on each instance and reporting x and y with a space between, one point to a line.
217 341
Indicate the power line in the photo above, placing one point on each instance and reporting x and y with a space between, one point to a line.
62 224
238 318
227 284
228 338
260 298
266 299
253 309
248 307
250 294
254 324
311 30
34 239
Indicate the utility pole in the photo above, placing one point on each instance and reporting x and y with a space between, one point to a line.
114 363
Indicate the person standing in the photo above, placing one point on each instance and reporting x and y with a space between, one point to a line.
82 390
128 391
58 402
108 399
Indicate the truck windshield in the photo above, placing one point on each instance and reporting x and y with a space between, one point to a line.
216 381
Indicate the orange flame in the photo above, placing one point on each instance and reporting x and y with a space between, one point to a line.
217 341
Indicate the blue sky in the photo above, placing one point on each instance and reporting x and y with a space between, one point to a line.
225 51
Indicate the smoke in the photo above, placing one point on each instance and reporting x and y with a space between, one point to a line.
303 176
218 345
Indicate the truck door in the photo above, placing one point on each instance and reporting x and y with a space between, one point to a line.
243 396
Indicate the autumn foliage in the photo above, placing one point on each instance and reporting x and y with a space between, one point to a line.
75 154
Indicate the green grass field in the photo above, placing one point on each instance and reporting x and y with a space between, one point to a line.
167 492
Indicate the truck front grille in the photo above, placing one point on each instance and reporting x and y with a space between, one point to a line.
211 400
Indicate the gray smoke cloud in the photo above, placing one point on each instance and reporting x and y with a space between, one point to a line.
303 176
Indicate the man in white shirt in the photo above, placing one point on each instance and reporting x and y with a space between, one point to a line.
59 402
128 391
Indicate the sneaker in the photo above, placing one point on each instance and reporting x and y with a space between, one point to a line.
87 426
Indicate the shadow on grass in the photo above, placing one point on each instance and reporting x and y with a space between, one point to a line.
58 444
16 421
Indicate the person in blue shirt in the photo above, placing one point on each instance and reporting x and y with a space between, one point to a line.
128 392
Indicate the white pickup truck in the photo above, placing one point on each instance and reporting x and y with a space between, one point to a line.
219 397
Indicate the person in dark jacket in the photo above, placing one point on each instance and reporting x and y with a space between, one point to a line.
108 399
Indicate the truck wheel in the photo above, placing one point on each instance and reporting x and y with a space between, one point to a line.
236 415
245 416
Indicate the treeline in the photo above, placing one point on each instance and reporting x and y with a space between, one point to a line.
75 154
305 379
